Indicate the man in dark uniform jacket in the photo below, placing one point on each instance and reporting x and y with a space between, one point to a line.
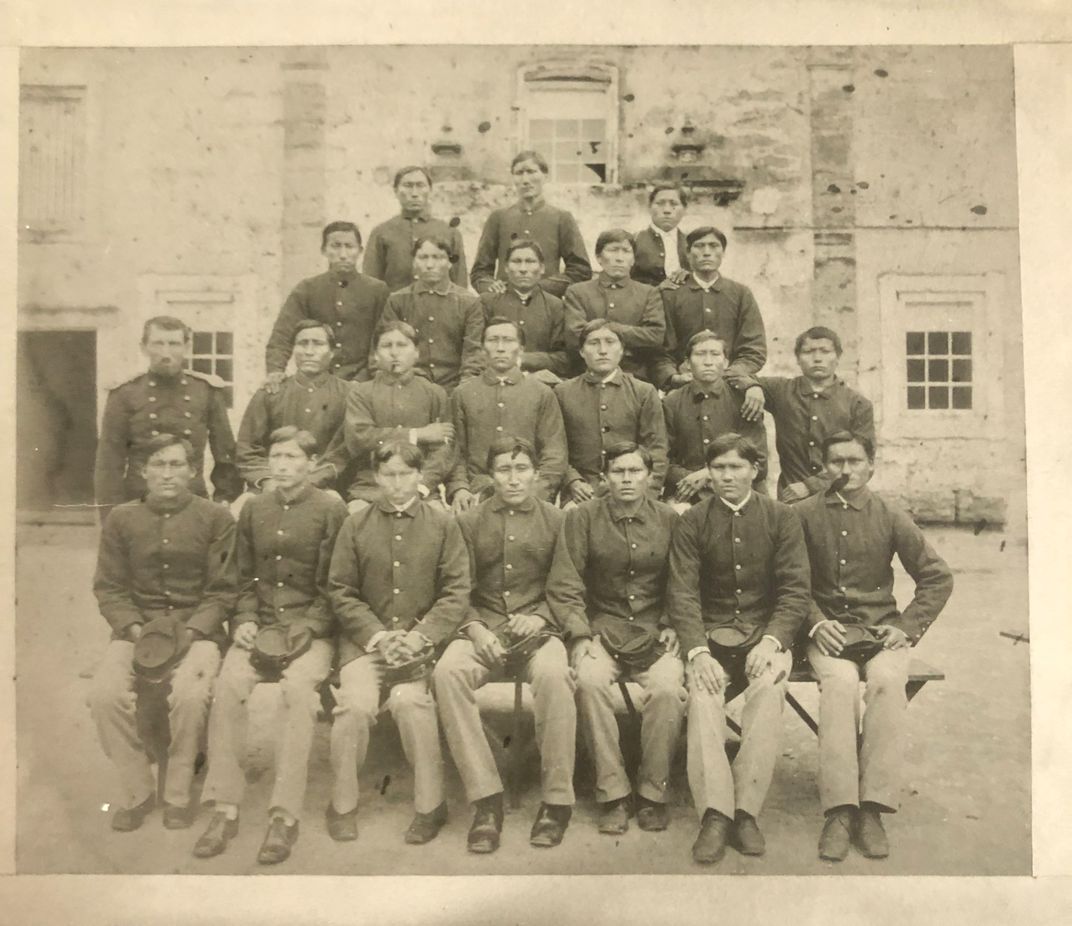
399 586
283 550
852 536
389 255
166 400
350 303
739 583
661 252
706 299
166 555
541 315
511 540
531 217
313 400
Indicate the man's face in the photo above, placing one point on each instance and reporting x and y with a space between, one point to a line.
528 179
288 464
312 351
396 353
514 477
342 251
628 478
167 473
849 459
413 191
707 361
165 350
523 269
705 255
817 358
732 475
667 209
616 259
503 347
398 480
431 264
602 351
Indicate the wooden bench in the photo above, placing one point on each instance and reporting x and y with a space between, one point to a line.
513 697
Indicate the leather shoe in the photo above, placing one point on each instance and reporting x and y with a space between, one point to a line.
277 841
653 816
550 825
128 819
487 824
837 834
178 818
747 838
710 844
870 834
342 827
219 832
614 817
426 826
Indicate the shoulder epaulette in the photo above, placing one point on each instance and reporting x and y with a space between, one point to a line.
211 378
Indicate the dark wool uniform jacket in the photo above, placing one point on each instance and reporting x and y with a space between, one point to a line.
398 570
283 553
349 304
389 252
543 319
161 559
852 540
747 568
191 406
650 264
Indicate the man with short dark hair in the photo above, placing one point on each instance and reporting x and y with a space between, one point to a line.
397 405
806 410
697 414
634 310
313 400
565 256
852 537
348 302
661 252
168 399
399 588
706 299
389 255
283 550
605 406
739 582
541 315
608 590
511 540
165 562
503 401
447 317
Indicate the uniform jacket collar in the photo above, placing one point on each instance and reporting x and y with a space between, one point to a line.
382 376
410 511
606 282
306 492
513 377
497 504
699 393
168 506
618 512
805 390
595 379
855 500
693 283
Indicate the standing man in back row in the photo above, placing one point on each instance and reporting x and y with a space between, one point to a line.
661 252
555 230
389 255
349 302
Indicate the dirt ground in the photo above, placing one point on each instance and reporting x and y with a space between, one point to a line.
966 804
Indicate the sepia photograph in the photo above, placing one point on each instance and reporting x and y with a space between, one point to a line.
521 459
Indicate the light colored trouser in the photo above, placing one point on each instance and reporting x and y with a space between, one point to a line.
846 777
413 709
113 704
744 786
662 708
457 676
229 720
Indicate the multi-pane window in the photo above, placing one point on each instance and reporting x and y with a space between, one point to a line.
939 369
52 156
213 353
575 149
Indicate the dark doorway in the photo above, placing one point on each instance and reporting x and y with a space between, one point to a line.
56 420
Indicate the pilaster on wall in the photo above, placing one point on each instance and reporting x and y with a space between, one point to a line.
304 162
830 75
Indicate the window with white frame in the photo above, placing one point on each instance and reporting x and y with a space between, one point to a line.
52 158
569 114
213 353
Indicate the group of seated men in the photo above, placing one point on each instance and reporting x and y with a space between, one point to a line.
570 491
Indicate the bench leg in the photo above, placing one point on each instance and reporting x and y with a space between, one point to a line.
516 751
802 713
